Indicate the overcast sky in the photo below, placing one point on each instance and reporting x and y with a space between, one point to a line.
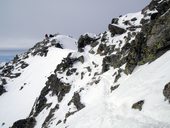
24 22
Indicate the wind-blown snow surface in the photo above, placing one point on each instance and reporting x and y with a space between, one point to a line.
113 110
66 41
106 109
22 92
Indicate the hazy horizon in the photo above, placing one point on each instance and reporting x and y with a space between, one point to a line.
24 23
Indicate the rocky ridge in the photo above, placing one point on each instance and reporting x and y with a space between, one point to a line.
102 63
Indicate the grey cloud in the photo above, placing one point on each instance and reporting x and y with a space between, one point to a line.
29 20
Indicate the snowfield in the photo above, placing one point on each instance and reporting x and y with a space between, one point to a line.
22 91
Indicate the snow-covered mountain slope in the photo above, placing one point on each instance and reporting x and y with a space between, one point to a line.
33 70
119 78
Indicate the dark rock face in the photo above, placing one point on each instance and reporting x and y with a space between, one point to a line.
138 105
7 72
2 90
68 63
162 7
50 116
40 48
112 60
57 87
166 92
40 103
41 52
135 52
159 36
115 20
25 123
71 71
115 29
76 101
154 40
94 44
102 49
85 40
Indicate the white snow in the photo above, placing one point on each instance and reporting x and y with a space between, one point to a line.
17 104
107 110
66 41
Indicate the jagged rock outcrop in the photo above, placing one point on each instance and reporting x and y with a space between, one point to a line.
114 29
153 40
57 88
76 101
41 48
67 63
85 40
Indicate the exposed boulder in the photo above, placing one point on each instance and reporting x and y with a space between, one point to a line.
102 49
94 44
114 29
138 105
166 92
25 123
134 19
85 40
112 60
81 59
